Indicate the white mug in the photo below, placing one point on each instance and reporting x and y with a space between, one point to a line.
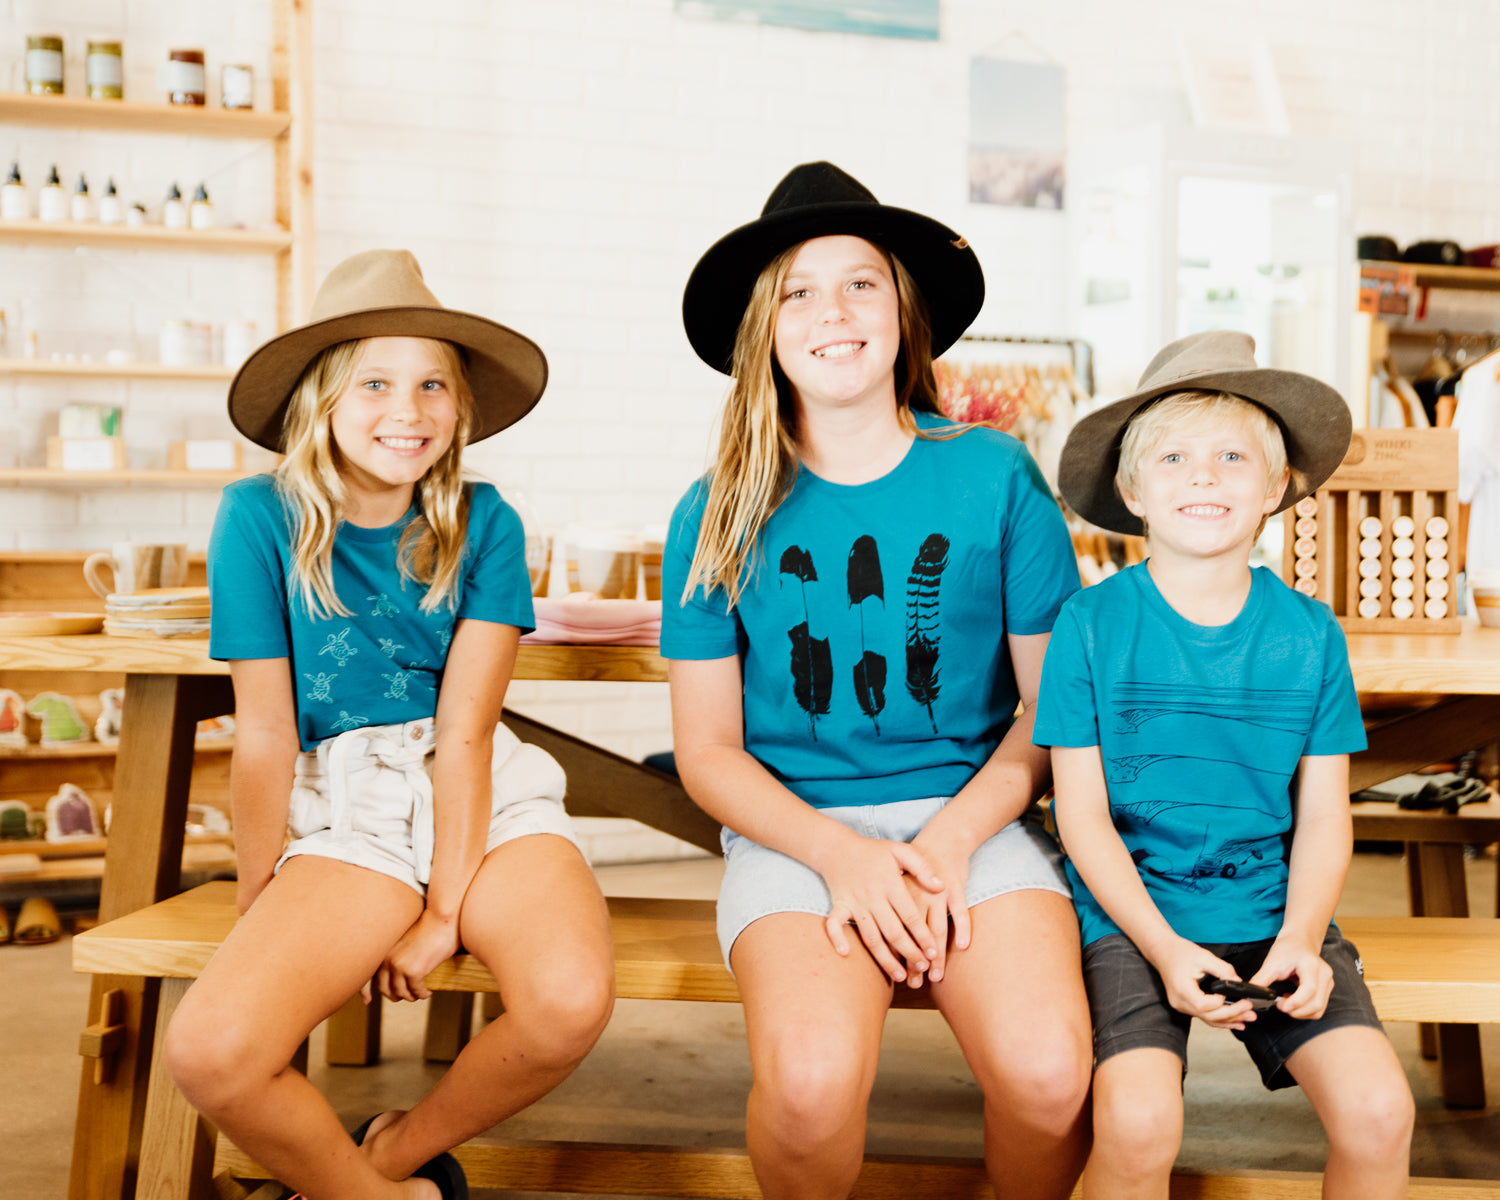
136 566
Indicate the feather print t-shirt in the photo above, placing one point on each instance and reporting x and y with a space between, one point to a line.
383 664
872 633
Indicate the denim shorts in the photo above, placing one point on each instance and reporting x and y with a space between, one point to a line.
759 882
1128 1003
365 798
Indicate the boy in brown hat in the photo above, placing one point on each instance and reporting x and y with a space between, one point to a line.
1200 715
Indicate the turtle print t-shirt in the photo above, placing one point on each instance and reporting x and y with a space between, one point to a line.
872 631
383 664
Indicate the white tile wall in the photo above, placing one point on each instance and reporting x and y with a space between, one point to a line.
561 165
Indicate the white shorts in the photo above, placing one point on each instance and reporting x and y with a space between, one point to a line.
365 798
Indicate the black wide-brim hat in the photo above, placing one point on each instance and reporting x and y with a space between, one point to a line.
381 293
818 200
1315 422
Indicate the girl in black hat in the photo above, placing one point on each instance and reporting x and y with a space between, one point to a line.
858 601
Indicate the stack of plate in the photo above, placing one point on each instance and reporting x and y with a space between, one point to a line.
158 612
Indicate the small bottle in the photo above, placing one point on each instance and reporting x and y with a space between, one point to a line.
135 215
174 213
104 71
4 334
111 210
83 203
201 212
185 78
52 201
44 65
15 203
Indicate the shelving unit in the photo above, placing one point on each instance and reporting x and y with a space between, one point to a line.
287 125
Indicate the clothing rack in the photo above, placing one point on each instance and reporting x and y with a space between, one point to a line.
1081 350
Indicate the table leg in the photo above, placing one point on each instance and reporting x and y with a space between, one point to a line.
1444 893
142 864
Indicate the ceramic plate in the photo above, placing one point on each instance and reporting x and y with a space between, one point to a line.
45 624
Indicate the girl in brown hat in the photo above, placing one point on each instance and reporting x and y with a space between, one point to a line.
857 602
369 602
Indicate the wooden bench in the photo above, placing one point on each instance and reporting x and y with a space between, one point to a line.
1419 969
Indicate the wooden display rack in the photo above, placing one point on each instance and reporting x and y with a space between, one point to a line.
1387 474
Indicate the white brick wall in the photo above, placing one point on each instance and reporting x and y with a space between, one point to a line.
561 165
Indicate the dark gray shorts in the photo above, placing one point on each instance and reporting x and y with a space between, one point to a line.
1128 1003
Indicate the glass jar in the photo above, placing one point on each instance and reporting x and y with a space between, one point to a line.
106 71
186 80
237 86
44 65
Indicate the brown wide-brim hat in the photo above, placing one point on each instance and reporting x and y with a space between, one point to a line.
817 200
1315 422
380 293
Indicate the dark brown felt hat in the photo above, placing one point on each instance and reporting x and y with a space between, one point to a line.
1315 422
380 293
815 200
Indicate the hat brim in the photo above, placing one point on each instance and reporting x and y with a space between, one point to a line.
507 372
1315 426
940 261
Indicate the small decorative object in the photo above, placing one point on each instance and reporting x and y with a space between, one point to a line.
201 212
205 819
237 86
204 454
135 215
44 65
82 208
19 823
1372 543
185 80
15 204
111 708
88 420
12 719
61 724
174 214
71 814
105 71
111 209
239 340
212 729
52 201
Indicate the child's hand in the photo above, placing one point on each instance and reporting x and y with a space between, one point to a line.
428 942
1182 967
951 863
1292 960
868 887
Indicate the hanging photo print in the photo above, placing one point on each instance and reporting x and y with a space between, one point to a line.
1015 133
880 18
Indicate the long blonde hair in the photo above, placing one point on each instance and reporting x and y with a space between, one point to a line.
432 544
757 461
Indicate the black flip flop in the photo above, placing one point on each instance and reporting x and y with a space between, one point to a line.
447 1174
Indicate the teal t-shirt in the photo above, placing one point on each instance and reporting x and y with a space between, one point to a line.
384 664
872 633
1201 730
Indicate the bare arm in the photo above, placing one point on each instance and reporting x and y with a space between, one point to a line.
1097 852
864 876
261 769
480 660
1322 846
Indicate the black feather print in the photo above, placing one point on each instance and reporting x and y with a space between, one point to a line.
812 674
922 622
812 660
866 582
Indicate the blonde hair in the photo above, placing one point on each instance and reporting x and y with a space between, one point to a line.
432 544
1148 428
757 461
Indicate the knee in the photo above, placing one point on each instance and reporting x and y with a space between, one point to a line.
1374 1124
205 1059
565 1017
1045 1085
1140 1134
807 1096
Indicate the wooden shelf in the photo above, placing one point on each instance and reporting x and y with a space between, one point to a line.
87 847
77 112
51 477
106 370
1483 279
211 852
99 750
148 237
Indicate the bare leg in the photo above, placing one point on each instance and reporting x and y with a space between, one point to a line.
1137 1126
535 917
315 935
1016 1003
1353 1079
813 1021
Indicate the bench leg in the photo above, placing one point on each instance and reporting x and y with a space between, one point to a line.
177 1144
354 1033
450 1019
1439 889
